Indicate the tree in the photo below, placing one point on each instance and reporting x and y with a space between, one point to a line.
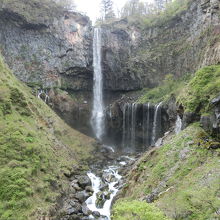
161 4
107 9
66 4
136 8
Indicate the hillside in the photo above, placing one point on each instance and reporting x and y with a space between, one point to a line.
181 175
37 149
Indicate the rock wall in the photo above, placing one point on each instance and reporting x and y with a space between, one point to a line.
137 55
48 47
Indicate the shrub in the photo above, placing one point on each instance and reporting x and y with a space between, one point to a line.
137 210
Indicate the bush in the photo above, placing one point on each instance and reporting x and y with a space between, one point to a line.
204 86
137 210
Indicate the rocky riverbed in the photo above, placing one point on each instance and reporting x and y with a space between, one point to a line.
92 192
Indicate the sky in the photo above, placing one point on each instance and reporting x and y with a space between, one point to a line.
92 7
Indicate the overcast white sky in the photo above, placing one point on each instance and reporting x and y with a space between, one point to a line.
92 7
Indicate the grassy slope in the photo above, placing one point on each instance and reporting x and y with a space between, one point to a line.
183 172
36 149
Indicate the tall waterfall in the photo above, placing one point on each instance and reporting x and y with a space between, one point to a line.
98 107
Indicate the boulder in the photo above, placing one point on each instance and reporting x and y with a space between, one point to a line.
84 181
82 196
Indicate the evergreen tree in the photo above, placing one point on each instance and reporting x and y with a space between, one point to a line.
161 4
136 8
107 9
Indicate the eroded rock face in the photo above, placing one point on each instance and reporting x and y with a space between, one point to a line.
48 51
135 57
211 123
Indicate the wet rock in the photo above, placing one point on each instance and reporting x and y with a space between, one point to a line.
107 177
82 196
103 217
85 210
73 207
189 117
76 186
215 145
75 217
216 100
102 197
96 214
84 181
103 186
89 189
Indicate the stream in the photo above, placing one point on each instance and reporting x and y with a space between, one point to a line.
106 184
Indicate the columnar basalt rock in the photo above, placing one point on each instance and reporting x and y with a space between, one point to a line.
47 51
138 55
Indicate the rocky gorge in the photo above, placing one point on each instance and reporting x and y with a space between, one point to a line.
158 86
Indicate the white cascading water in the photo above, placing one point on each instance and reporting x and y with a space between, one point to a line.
178 125
155 124
96 183
98 107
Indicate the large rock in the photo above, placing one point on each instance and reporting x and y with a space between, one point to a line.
84 181
211 123
45 45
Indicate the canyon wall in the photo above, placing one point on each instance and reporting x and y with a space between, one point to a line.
137 54
48 47
51 48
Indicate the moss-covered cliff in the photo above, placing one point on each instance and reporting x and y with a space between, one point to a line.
36 149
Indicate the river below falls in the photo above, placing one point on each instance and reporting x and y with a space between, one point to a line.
106 183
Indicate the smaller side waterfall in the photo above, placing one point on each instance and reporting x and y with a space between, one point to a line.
129 126
156 125
142 126
43 94
178 125
133 124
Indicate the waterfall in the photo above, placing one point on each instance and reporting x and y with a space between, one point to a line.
133 124
146 124
142 125
124 125
178 125
43 94
156 124
98 107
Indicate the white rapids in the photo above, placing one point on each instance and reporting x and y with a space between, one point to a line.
113 189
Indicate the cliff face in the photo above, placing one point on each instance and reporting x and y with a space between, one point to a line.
137 56
49 47
45 45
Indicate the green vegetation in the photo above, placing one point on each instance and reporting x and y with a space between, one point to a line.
36 149
193 92
159 18
168 87
124 210
183 174
204 86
